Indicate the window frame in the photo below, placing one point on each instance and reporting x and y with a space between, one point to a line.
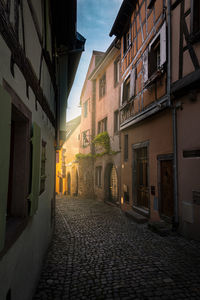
42 167
102 86
127 40
117 71
84 134
116 121
102 125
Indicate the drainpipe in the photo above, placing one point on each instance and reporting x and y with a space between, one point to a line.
174 119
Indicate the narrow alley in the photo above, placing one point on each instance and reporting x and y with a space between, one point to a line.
99 253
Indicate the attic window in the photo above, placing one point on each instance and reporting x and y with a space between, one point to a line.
126 41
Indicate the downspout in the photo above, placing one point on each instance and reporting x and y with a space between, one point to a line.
174 120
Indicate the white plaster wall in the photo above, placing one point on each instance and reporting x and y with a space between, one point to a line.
20 266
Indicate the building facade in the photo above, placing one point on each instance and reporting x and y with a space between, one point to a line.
185 93
67 165
87 130
145 115
160 61
107 168
34 58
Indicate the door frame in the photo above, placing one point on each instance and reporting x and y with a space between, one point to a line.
134 175
160 158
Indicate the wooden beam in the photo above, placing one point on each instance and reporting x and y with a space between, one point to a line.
22 62
185 83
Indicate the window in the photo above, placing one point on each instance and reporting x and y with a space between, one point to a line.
85 109
127 40
102 125
102 86
155 56
85 138
43 162
116 121
116 72
195 16
128 87
126 90
126 147
98 176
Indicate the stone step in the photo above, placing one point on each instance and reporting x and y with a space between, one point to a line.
162 228
136 217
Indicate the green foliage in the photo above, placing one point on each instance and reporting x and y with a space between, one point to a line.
83 156
103 139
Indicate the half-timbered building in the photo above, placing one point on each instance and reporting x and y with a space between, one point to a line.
185 94
39 53
145 115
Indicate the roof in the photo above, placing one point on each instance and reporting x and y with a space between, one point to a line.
97 55
105 59
71 126
123 18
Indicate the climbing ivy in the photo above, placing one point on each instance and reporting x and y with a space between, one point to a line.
103 140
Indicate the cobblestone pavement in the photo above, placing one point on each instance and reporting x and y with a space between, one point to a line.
97 253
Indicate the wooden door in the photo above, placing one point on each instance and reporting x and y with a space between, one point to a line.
113 184
142 188
167 201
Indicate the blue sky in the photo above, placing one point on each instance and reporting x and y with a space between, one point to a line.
94 21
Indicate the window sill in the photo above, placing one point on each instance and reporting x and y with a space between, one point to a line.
156 75
14 228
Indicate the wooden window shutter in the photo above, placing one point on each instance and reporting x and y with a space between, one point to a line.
163 44
5 128
35 184
132 83
145 65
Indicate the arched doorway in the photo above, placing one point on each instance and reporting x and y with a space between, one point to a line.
111 183
68 184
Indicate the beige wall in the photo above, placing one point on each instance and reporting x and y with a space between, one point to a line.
188 168
158 131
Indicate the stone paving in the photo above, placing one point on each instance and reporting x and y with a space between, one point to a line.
98 253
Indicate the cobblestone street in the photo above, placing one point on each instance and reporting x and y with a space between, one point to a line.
98 253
